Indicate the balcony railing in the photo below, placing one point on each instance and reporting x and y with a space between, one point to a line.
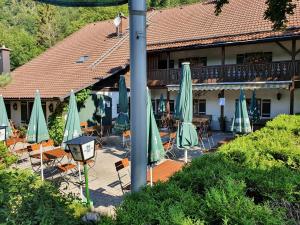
274 71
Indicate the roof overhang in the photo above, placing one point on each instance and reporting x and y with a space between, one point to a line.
236 86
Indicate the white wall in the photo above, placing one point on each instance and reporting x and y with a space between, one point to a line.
297 101
114 95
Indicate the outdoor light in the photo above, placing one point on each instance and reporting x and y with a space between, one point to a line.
82 149
279 95
3 133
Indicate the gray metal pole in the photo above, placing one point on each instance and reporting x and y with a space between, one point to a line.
137 17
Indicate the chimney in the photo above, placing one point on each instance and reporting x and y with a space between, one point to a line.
4 60
119 21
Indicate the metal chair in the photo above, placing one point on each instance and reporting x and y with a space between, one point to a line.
169 146
122 168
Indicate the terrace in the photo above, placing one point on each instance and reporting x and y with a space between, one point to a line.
273 71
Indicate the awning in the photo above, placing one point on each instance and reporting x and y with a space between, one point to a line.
236 86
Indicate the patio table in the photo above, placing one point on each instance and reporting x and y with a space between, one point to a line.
55 153
162 172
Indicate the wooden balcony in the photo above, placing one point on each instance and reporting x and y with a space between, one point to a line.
275 71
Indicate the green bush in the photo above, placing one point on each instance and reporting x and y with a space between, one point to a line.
6 157
162 204
25 199
244 182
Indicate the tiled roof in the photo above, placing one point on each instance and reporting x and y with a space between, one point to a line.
55 72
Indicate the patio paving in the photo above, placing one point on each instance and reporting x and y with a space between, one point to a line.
104 188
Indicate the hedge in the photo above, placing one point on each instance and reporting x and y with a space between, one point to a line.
255 179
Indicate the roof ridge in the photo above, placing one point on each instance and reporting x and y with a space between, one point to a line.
214 36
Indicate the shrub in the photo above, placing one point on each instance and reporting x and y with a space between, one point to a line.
244 182
6 157
25 199
162 204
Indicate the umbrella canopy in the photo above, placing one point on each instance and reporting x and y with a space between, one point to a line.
122 122
176 113
101 107
186 134
254 113
155 148
37 128
162 104
72 127
241 122
3 117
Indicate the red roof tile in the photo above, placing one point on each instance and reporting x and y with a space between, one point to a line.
55 72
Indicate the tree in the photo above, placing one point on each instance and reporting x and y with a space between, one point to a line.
277 11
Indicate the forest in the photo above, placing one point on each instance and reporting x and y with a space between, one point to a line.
28 28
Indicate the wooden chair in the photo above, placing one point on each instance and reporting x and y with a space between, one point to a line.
84 125
11 144
122 168
34 157
126 138
169 146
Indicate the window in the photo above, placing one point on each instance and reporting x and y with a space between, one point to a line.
26 109
172 106
254 57
24 112
153 106
199 107
7 106
266 108
171 64
202 107
194 61
162 64
82 59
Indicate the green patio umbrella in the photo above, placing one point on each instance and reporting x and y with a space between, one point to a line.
37 131
122 121
253 112
186 134
73 129
162 104
155 149
101 111
3 117
241 122
72 126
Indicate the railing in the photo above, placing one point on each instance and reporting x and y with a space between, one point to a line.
229 73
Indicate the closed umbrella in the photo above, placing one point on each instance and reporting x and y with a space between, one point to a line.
37 129
186 134
72 128
101 111
162 104
253 112
154 146
241 122
122 122
3 117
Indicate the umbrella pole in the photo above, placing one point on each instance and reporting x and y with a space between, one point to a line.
151 176
185 155
80 182
41 156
